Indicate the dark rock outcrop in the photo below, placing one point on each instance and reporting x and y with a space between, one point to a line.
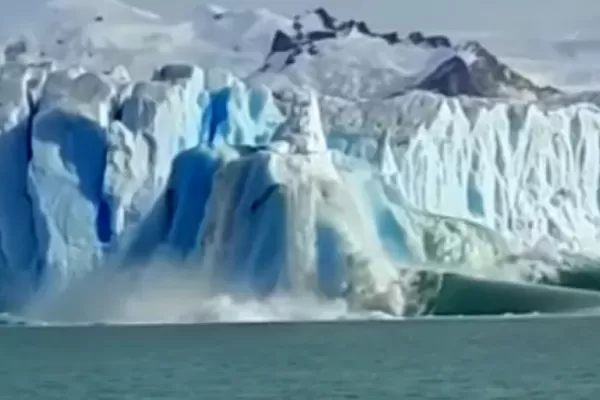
282 43
488 74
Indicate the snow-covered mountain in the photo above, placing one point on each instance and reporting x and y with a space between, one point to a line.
451 69
284 168
341 58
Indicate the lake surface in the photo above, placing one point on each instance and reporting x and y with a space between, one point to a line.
530 359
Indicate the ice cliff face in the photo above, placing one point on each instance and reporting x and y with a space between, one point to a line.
294 193
525 170
87 158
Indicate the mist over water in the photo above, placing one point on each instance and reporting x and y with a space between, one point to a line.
161 293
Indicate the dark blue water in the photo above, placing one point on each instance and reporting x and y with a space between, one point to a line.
440 359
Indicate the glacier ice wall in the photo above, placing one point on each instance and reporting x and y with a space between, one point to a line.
18 260
526 171
290 194
88 158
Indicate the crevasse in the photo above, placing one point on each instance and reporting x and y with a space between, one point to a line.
299 194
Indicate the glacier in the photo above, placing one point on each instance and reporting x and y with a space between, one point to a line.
231 194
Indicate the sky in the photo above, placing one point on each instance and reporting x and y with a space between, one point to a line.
514 17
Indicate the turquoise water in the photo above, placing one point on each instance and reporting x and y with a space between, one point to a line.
437 359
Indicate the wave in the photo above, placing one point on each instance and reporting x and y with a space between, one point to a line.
463 295
163 295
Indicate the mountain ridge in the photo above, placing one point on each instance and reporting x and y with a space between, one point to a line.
480 76
344 58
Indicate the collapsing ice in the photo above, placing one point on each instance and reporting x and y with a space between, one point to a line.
196 170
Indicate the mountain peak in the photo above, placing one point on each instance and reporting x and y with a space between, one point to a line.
446 67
